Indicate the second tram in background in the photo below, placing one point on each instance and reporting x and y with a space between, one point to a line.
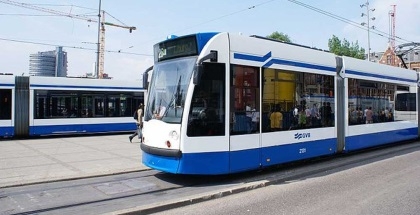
220 103
36 106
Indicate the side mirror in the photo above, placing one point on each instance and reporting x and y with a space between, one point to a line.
198 69
146 77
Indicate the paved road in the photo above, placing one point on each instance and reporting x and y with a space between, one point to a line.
386 186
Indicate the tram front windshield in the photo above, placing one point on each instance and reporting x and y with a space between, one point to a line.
168 88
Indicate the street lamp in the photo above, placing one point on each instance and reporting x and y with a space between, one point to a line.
367 24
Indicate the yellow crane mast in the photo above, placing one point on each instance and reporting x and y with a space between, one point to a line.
102 43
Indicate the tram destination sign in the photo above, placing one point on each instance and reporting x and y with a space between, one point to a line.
179 47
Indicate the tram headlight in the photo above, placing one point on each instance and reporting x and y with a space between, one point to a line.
174 135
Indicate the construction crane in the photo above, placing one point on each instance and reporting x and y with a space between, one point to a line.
101 51
101 45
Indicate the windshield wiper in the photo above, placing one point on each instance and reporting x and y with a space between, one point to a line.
176 97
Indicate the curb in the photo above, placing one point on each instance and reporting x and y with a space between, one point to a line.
166 205
314 168
198 198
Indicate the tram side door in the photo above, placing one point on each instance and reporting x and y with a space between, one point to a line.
245 152
244 141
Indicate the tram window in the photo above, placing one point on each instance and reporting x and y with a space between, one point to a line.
207 111
69 104
55 104
405 106
370 102
114 106
99 106
405 102
5 104
245 100
294 100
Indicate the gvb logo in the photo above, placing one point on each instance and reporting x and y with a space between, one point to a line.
302 135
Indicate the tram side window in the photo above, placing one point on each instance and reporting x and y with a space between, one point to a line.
130 103
207 111
245 100
5 104
405 102
118 106
55 104
294 100
405 106
81 104
370 102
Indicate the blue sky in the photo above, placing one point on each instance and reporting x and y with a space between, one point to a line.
155 20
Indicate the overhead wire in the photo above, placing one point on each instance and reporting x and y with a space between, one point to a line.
334 16
358 25
66 5
23 14
223 16
72 47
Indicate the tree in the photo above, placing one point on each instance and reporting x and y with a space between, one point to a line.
344 47
279 36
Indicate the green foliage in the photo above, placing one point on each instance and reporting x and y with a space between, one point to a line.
344 48
279 36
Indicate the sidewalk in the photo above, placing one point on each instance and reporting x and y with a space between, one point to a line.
40 160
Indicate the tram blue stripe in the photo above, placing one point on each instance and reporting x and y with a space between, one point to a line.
252 57
280 62
81 128
87 87
7 85
381 138
379 76
298 64
7 131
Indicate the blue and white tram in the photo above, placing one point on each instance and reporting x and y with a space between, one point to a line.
60 106
7 86
221 103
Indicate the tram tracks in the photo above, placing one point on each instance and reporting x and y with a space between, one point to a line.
153 191
71 196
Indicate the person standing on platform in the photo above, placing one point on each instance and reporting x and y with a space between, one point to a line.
138 116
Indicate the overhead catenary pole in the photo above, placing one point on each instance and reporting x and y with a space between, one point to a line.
392 27
368 26
99 43
368 23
